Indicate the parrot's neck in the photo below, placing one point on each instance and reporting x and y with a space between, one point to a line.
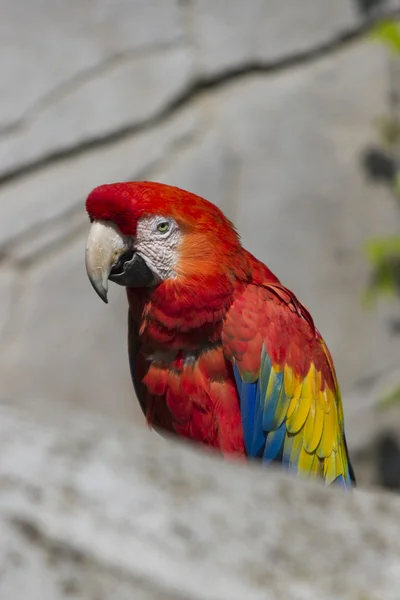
188 313
181 315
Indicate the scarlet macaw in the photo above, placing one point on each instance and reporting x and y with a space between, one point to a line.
220 351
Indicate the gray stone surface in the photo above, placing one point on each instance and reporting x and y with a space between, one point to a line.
103 66
232 34
55 46
62 339
280 151
93 510
8 290
129 91
369 421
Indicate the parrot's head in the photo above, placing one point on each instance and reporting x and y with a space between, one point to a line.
143 234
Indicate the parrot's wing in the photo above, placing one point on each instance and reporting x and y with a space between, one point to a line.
289 398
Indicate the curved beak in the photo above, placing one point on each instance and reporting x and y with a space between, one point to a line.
105 245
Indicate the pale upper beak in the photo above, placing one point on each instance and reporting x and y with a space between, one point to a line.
105 245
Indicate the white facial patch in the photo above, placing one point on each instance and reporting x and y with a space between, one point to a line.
157 242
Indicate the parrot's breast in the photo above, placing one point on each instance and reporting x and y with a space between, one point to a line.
194 396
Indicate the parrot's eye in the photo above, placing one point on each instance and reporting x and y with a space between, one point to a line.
163 226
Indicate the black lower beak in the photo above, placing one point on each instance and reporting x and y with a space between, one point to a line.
132 271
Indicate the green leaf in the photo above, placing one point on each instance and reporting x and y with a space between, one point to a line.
396 185
389 130
390 399
382 249
384 255
388 32
383 284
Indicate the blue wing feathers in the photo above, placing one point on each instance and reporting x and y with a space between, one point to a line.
273 444
252 414
272 401
247 407
259 434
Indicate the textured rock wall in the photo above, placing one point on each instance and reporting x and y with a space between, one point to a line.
92 512
264 107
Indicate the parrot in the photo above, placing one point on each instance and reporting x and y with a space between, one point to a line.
220 352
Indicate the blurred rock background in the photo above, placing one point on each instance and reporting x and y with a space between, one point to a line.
267 108
279 111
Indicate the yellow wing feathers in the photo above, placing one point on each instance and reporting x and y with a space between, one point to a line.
314 443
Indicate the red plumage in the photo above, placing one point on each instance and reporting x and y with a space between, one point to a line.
223 306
